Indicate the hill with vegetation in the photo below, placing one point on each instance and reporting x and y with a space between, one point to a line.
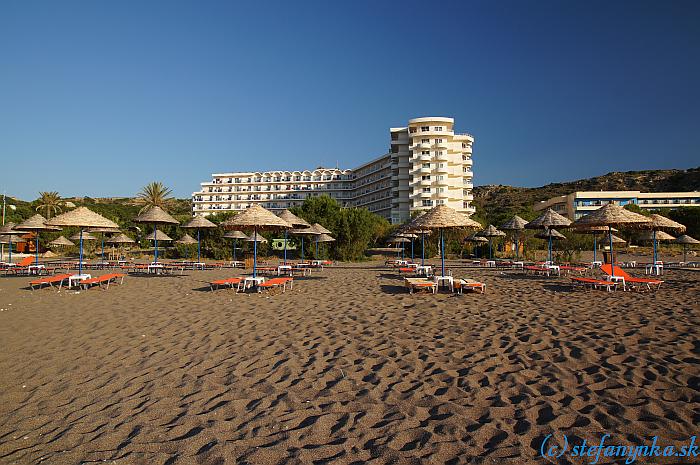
496 203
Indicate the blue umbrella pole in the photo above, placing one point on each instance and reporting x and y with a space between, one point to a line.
595 248
36 247
155 239
10 248
285 246
412 257
302 248
422 249
550 248
199 248
442 253
402 251
316 250
656 257
80 261
612 255
490 249
255 252
234 249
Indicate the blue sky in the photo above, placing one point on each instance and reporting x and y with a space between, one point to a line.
98 98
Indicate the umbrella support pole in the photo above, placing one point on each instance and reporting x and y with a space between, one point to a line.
422 249
255 252
656 258
595 248
199 248
155 239
442 253
285 246
412 257
234 249
10 248
80 260
612 254
36 248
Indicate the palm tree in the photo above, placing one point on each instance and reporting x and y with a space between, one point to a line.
50 203
155 194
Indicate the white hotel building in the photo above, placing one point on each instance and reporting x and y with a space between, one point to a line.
428 164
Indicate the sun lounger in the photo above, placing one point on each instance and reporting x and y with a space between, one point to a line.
593 283
470 284
227 282
50 281
276 283
419 284
568 269
631 281
105 279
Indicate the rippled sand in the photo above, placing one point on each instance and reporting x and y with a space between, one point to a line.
346 368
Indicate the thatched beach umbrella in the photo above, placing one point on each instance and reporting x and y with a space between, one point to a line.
9 231
476 240
547 220
322 238
594 231
613 215
10 239
301 232
155 215
102 232
686 241
296 222
411 228
490 232
120 239
257 218
86 237
258 239
158 235
35 224
443 217
320 230
399 240
235 235
61 241
187 240
661 224
550 234
199 222
515 225
409 236
82 218
615 240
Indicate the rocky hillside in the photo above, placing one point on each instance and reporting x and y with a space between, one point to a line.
495 201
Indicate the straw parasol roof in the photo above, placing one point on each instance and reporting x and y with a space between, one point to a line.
82 217
443 216
9 230
392 240
304 231
491 231
61 241
6 238
86 237
160 235
686 239
661 223
615 239
235 235
475 238
294 220
104 230
260 239
48 254
121 239
549 219
408 235
186 240
514 224
553 233
612 214
35 223
256 217
155 214
592 229
320 229
660 236
326 238
199 222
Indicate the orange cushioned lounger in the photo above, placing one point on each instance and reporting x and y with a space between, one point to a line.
51 280
629 279
225 282
593 283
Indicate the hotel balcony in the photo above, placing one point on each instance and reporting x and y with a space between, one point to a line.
443 157
442 182
420 171
442 169
441 145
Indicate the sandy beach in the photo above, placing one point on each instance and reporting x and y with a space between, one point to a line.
345 368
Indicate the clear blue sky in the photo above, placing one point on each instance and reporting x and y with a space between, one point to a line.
98 98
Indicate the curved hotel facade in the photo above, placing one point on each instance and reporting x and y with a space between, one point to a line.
428 164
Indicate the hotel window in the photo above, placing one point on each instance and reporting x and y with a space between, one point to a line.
425 128
427 203
438 128
440 202
464 146
439 152
412 130
425 141
438 141
425 152
426 189
425 165
425 178
394 136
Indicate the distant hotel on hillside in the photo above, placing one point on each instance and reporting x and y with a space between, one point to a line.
428 164
577 204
